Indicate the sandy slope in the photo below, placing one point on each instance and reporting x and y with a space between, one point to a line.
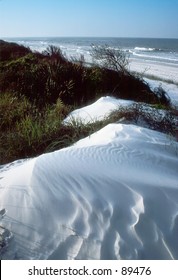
97 111
113 195
170 89
157 69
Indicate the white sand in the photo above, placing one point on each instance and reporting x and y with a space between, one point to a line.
159 70
101 109
113 195
97 111
171 89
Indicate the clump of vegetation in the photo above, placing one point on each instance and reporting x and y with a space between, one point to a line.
43 78
9 51
25 129
128 85
37 91
114 59
146 116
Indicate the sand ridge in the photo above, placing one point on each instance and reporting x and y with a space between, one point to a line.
112 195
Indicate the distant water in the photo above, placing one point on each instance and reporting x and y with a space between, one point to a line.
155 50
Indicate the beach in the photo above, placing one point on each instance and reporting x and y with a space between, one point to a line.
109 196
156 71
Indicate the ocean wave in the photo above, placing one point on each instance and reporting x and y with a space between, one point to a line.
147 49
164 58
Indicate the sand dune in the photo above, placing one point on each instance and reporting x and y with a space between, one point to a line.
97 111
113 195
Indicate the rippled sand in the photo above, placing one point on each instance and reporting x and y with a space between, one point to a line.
113 195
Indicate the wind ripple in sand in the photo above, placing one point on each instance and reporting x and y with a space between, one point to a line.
113 195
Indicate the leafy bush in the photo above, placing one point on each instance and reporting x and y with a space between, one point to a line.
38 90
24 129
12 110
55 54
43 78
12 51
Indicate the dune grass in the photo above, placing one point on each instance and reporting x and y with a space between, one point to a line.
27 131
37 91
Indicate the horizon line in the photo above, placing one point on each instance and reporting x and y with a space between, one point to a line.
123 37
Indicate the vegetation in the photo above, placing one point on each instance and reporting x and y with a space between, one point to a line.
146 116
43 78
114 59
37 91
10 51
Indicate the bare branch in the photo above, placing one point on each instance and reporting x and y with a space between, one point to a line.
107 57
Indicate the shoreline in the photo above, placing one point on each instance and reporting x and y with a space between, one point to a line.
155 71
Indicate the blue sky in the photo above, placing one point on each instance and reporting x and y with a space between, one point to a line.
113 18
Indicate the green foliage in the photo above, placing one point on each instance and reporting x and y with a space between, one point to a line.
12 109
43 78
38 90
12 51
26 130
55 54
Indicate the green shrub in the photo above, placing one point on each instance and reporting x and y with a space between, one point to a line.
26 130
12 110
38 90
9 51
147 116
55 54
43 78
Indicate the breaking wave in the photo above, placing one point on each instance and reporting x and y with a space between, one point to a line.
147 49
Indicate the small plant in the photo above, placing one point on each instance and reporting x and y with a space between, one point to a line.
107 57
26 130
146 116
55 54
12 110
162 96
